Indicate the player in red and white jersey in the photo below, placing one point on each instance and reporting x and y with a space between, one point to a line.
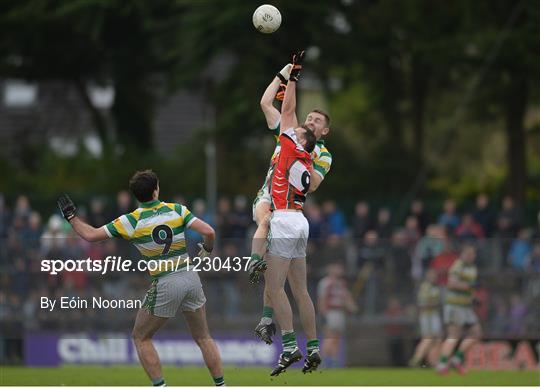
289 230
290 179
334 302
318 122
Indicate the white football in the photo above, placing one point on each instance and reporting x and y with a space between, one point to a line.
266 18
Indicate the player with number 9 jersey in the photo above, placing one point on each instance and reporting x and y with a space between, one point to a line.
290 179
157 229
289 185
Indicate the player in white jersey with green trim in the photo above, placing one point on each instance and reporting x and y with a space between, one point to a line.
317 121
431 329
156 229
458 314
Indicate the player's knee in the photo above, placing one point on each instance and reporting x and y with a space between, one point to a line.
203 341
299 289
273 290
138 336
301 294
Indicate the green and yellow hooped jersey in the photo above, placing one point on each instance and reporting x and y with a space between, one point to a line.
429 297
157 230
464 273
322 158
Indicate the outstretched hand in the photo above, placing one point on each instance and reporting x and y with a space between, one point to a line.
297 60
66 206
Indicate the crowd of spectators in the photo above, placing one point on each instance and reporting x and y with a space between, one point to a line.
386 256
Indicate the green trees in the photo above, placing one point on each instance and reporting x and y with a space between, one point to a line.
418 90
123 43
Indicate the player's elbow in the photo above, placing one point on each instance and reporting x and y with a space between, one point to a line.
267 107
208 231
265 104
92 236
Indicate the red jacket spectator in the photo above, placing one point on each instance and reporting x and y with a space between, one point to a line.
469 229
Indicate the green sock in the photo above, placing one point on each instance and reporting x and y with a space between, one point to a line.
158 382
255 257
312 345
289 341
459 354
219 381
268 312
443 359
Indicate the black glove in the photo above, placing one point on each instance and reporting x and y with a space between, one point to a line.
203 250
297 61
66 206
256 269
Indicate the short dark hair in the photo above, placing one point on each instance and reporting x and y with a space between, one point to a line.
310 139
326 116
142 184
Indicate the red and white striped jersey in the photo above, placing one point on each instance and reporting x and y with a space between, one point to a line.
333 293
291 176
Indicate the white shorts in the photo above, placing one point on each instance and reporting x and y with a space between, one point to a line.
177 290
431 325
335 320
459 315
263 195
289 232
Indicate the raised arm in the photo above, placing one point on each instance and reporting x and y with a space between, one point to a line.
288 108
86 231
271 114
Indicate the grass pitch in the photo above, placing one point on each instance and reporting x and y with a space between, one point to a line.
134 375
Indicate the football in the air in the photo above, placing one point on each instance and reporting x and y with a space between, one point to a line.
266 18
